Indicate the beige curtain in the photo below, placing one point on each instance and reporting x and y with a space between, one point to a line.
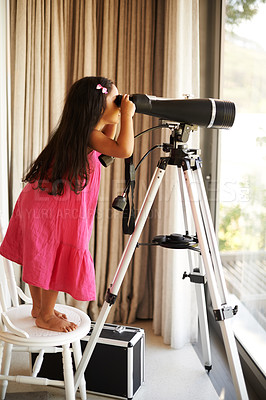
4 111
4 123
50 48
145 47
134 61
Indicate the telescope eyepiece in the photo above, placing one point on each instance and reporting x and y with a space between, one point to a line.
118 100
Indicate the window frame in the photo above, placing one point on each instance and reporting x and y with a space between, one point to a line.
212 22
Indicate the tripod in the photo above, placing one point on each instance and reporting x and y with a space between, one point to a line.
188 163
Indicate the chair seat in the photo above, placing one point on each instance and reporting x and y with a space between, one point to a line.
21 317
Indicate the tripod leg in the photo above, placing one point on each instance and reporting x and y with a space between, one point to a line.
199 287
122 268
220 308
212 240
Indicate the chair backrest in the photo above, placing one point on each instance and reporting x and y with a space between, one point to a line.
9 274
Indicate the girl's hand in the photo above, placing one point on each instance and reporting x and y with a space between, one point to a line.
102 139
127 107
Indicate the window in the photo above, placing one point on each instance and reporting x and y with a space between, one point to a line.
242 212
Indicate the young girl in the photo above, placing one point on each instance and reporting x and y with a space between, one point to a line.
51 225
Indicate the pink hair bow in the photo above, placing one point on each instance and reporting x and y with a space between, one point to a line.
104 90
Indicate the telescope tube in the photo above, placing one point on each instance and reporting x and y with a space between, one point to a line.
209 113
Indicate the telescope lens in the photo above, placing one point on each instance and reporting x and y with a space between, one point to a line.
225 114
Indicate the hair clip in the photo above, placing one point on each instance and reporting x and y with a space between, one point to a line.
104 90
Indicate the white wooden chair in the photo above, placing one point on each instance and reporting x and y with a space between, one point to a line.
19 332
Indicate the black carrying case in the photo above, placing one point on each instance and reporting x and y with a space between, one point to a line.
116 367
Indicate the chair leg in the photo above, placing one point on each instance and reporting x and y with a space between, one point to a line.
6 360
77 357
68 373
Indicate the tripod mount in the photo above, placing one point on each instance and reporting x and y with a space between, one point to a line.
210 270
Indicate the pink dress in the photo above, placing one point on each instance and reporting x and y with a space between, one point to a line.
49 236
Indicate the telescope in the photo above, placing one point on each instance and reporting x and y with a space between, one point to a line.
209 113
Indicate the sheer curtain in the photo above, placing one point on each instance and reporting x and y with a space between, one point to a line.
146 46
175 308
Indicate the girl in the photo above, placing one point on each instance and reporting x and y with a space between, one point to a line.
51 225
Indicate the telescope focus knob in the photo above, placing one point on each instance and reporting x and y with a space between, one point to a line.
188 95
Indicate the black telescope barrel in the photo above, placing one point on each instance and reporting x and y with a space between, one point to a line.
210 113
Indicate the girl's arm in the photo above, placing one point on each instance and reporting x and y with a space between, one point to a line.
123 146
109 130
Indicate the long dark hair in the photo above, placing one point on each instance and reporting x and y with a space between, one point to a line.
65 158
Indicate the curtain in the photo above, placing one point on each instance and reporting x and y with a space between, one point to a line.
48 52
4 112
175 308
146 46
134 61
50 49
4 121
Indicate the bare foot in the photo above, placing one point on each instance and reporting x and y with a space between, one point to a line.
53 323
36 311
60 315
